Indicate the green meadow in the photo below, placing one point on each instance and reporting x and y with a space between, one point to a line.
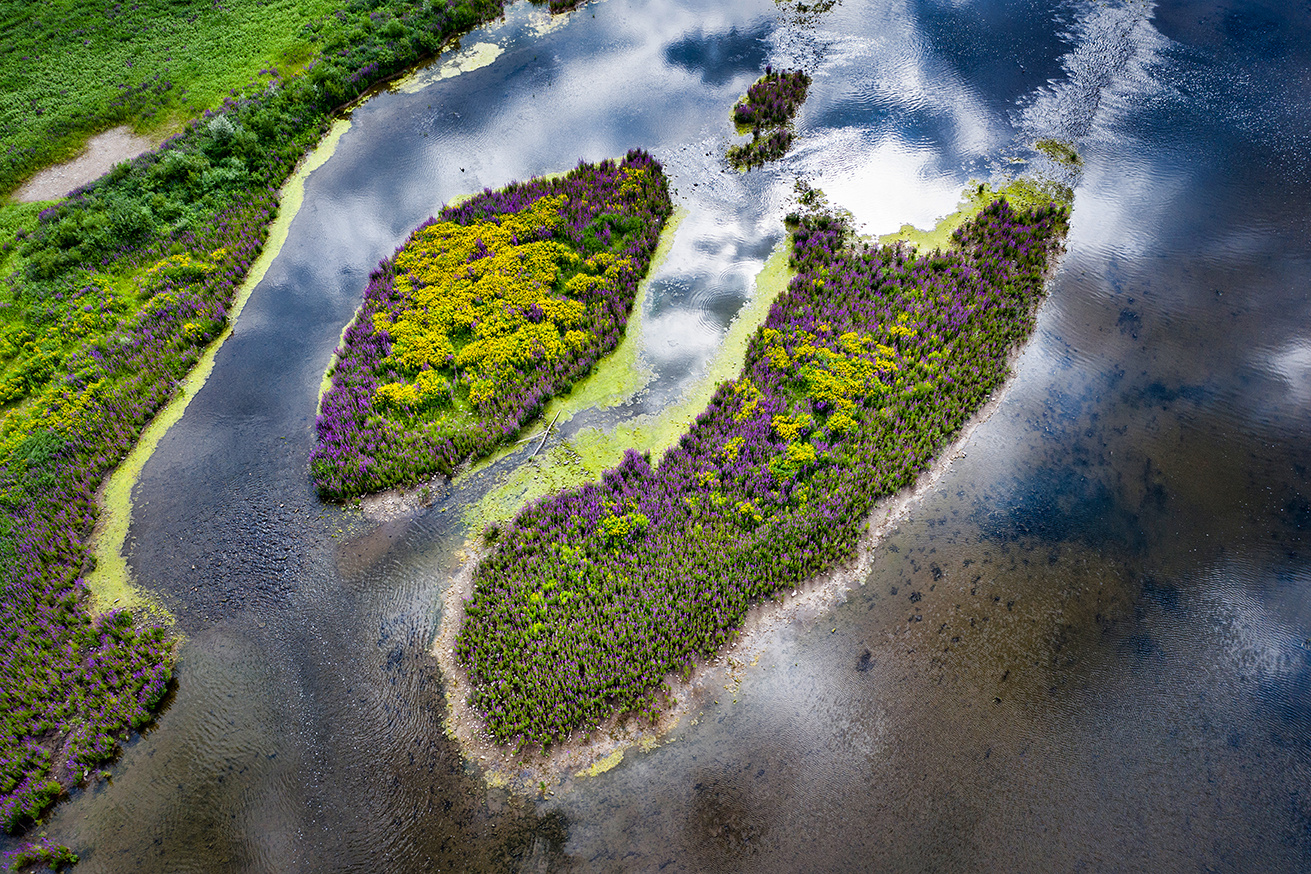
72 68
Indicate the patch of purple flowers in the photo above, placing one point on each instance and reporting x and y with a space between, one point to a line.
773 100
864 369
767 109
612 207
74 684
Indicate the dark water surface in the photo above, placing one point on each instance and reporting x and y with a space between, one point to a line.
1089 649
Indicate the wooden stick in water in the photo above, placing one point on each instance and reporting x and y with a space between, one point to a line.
546 435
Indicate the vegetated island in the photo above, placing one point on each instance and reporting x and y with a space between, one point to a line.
107 299
591 600
487 312
767 110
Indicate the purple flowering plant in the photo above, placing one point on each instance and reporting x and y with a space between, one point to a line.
863 370
768 109
107 299
484 314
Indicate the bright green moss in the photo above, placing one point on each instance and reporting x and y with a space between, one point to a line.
1020 193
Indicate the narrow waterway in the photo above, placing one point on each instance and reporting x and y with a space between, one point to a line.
1088 649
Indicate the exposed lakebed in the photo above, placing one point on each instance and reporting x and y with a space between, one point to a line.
1093 628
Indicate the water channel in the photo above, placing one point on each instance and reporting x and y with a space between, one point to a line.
1087 649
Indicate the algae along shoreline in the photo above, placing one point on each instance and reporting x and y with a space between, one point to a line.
486 313
591 620
109 582
145 265
590 451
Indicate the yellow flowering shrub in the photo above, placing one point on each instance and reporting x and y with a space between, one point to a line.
751 398
182 267
790 427
484 303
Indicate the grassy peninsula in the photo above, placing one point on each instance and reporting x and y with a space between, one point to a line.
111 295
863 370
487 312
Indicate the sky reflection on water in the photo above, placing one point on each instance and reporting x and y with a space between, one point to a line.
1088 649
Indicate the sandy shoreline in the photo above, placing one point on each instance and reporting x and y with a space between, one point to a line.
603 747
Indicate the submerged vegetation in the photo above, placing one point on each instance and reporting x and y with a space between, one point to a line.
1060 151
767 109
108 298
863 370
483 315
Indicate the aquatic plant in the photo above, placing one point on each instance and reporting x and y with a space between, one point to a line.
767 109
773 99
111 296
42 852
483 315
1059 151
861 373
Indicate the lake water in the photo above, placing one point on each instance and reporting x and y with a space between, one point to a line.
1088 649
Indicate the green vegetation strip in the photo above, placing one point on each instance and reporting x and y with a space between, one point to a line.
109 299
867 366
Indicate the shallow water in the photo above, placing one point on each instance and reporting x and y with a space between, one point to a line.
1088 649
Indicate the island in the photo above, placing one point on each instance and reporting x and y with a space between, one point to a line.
766 111
487 311
592 600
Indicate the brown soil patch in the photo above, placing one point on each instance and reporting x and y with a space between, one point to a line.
404 502
102 152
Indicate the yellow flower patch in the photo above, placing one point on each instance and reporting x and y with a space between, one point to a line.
180 268
751 398
801 453
790 427
484 304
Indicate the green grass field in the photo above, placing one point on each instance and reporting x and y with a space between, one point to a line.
71 68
